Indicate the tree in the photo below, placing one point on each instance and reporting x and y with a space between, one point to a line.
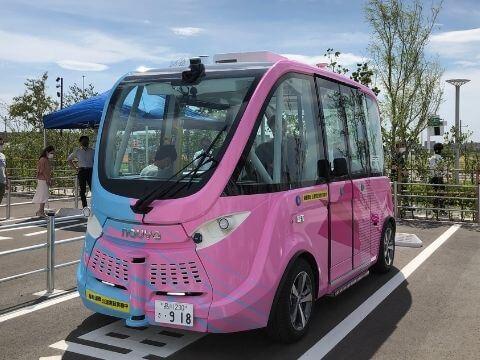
362 75
410 81
33 104
76 94
333 57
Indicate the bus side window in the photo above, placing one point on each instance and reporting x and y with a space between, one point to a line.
357 136
374 133
333 114
286 148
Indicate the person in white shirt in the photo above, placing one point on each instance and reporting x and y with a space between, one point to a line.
84 166
436 175
162 166
204 143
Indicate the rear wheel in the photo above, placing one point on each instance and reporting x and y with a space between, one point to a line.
386 251
291 314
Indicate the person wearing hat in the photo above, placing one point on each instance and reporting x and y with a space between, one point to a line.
162 166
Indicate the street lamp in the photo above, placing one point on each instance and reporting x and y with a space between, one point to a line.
457 83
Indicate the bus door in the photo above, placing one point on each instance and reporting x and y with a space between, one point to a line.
340 186
352 100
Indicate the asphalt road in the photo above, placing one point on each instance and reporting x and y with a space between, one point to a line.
433 314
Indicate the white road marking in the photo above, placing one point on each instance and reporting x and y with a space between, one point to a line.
56 229
39 306
88 350
38 246
55 357
140 342
5 238
34 225
21 227
15 219
339 332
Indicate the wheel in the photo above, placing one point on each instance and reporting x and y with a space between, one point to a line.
386 250
290 316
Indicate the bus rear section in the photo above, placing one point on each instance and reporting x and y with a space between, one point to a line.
231 197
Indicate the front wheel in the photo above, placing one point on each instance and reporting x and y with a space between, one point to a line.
291 314
386 251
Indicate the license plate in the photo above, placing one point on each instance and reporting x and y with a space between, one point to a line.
169 312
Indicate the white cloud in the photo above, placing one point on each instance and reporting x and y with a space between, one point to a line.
85 47
81 66
460 44
345 59
186 31
459 36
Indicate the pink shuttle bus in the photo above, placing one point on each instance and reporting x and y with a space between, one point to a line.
231 196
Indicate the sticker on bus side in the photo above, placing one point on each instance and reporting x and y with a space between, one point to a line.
316 195
108 302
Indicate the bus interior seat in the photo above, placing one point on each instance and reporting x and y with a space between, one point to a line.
340 167
323 168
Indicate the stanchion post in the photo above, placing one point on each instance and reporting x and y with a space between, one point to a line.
9 200
395 199
76 192
50 251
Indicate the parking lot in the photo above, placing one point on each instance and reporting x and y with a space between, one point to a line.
427 308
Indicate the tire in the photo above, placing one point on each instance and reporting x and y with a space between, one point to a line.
386 250
286 323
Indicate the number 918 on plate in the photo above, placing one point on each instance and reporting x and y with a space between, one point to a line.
170 312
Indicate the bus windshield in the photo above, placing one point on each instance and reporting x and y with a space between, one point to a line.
158 131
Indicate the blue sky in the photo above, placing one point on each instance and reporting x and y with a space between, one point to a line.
105 39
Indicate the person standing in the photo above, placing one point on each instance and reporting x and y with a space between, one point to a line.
436 175
44 179
3 171
84 167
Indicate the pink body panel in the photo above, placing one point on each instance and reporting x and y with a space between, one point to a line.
361 222
341 232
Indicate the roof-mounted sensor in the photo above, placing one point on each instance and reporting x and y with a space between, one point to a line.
253 56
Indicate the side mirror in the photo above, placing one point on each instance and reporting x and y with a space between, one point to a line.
340 167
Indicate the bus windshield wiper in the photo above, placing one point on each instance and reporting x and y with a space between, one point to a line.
142 204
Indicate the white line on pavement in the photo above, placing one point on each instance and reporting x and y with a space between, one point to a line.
56 229
5 238
339 332
89 351
38 246
15 219
39 306
32 226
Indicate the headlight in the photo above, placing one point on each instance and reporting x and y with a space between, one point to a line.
217 229
94 228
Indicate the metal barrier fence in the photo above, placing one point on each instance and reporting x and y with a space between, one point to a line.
439 200
19 182
49 245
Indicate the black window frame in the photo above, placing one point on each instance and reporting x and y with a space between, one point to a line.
367 172
234 189
333 178
374 100
134 188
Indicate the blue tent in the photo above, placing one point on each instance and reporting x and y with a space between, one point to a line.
84 114
88 113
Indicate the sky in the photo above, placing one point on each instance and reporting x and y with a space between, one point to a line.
102 40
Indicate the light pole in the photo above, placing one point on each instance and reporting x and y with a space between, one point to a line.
457 83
